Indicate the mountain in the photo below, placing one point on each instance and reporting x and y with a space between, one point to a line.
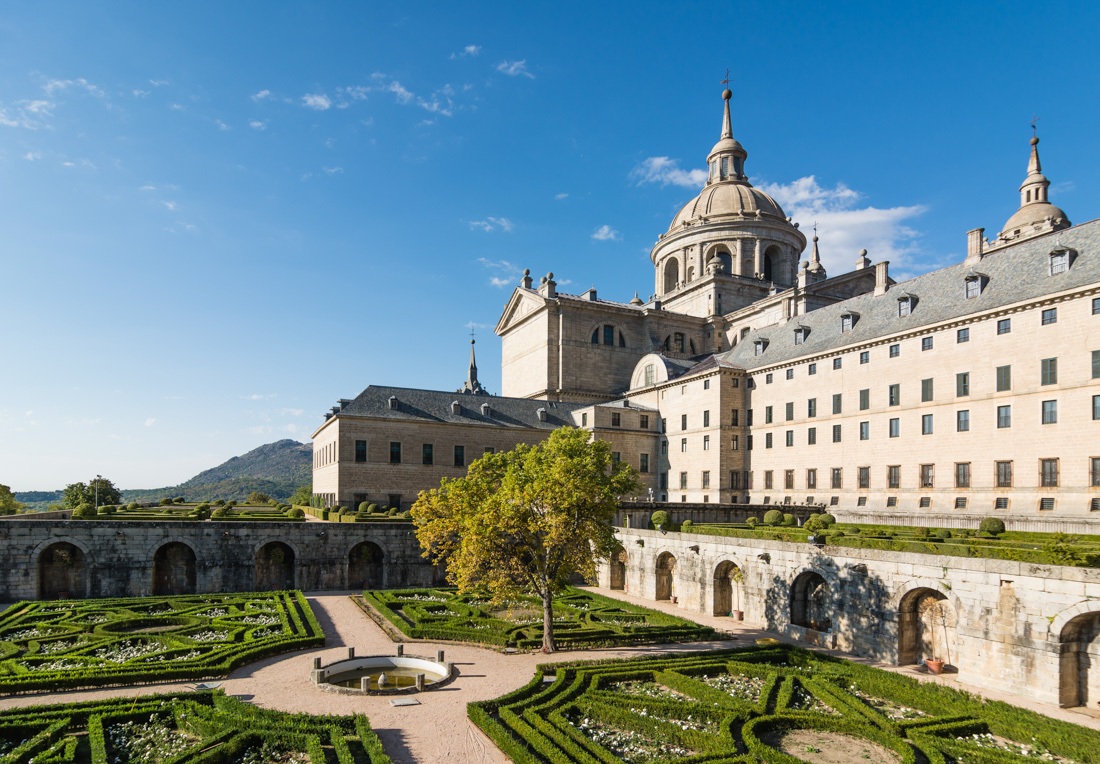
277 469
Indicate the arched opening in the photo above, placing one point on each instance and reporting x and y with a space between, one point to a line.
61 572
810 602
274 567
1079 673
174 569
672 274
768 269
690 273
618 570
365 566
728 590
926 627
726 260
666 569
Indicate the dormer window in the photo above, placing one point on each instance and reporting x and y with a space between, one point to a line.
800 335
758 347
974 283
1059 262
847 321
905 305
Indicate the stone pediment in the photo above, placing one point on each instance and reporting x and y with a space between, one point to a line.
523 303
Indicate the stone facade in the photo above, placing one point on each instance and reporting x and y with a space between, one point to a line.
1004 625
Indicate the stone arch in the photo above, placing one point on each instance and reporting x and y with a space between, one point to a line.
728 589
665 574
275 566
773 263
672 274
618 570
927 626
366 566
174 569
906 587
1079 659
811 601
62 571
690 273
720 256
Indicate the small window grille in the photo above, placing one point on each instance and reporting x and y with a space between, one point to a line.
960 502
925 502
1059 263
1001 503
973 287
861 501
1094 505
905 306
834 501
846 322
891 501
1046 504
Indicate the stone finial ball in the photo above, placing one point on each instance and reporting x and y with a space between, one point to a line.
815 237
526 271
549 275
543 279
863 253
1034 140
727 94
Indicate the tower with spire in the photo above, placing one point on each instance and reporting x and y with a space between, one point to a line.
1036 214
471 386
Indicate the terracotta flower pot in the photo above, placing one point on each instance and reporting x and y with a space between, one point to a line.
737 615
935 665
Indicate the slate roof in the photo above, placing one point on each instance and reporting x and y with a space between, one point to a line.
1014 274
435 406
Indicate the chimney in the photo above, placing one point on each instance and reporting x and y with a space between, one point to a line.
975 244
882 277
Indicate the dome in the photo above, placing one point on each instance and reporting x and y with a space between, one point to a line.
1036 212
727 199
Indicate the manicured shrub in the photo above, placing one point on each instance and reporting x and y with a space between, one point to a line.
295 513
132 506
752 522
219 513
179 500
789 520
659 519
828 519
230 504
219 503
994 526
686 525
920 532
108 509
364 506
372 508
943 533
202 505
165 502
83 512
773 517
394 511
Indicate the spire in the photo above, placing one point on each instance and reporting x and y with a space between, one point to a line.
471 385
1036 214
815 256
727 123
1033 166
727 159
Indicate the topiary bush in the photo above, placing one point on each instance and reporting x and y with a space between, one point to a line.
920 532
686 525
789 520
219 513
943 533
828 519
179 500
230 504
364 506
752 522
296 513
994 526
83 512
372 508
394 511
659 519
132 506
108 509
773 517
219 503
165 502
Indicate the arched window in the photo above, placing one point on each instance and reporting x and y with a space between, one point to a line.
768 270
672 274
608 334
678 342
596 336
622 340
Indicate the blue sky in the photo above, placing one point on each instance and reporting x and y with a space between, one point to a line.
218 218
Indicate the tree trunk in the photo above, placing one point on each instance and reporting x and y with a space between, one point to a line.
548 645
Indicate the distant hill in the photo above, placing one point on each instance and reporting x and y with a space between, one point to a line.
277 469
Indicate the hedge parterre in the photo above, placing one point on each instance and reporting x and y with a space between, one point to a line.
581 619
195 728
780 705
67 644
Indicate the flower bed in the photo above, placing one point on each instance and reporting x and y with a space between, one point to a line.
581 619
199 727
779 705
46 646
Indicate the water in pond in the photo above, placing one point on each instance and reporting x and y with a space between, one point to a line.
396 678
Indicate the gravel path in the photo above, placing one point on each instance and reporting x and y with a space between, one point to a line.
437 730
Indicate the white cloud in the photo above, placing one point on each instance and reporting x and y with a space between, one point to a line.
491 223
38 107
31 156
475 325
169 205
159 83
261 95
515 69
28 413
469 50
291 428
403 95
499 282
150 421
257 430
606 233
173 397
559 197
257 125
293 412
496 264
357 92
148 188
258 396
55 86
318 101
667 171
140 93
510 272
221 125
844 228
177 107
333 170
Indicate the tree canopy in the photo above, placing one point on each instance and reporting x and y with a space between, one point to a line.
77 493
8 504
525 521
303 495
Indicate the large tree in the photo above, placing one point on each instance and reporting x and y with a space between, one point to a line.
8 504
79 493
525 521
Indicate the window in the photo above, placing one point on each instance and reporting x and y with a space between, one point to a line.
790 438
893 476
790 373
811 407
812 370
427 454
925 502
683 445
837 402
864 477
836 433
790 411
927 475
1096 407
788 480
905 306
963 335
891 501
1094 505
1050 316
1004 474
683 421
734 444
1004 326
735 479
706 443
1048 473
895 428
1096 306
838 477
664 447
584 419
767 480
643 422
664 422
962 384
616 457
758 347
962 421
1004 378
865 357
799 336
706 479
926 343
895 395
895 351
490 450
962 475
706 382
395 452
1096 364
360 451
960 502
1050 412
846 322
834 501
1046 504
748 417
643 463
683 480
926 424
926 390
1059 263
734 416
706 418
864 430
767 379
609 335
811 435
973 287
616 419
767 415
767 440
811 479
1001 502
1004 417
1094 472
836 363
460 456
864 400
650 375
